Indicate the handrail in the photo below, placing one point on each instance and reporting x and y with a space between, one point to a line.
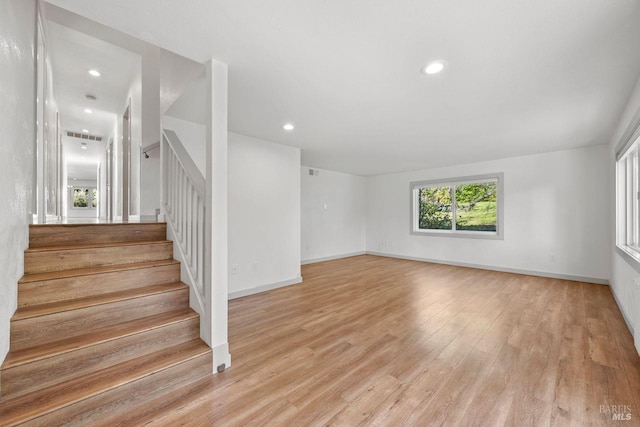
184 205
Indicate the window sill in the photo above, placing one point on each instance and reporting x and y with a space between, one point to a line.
630 255
462 234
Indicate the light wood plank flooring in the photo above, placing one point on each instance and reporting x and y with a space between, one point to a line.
379 341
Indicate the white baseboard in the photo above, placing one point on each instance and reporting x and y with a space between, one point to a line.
264 288
5 329
624 314
495 268
53 219
330 258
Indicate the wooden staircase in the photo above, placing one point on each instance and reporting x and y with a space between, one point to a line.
103 327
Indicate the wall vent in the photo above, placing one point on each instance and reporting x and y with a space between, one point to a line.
86 136
314 172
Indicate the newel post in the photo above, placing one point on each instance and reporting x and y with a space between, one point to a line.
216 275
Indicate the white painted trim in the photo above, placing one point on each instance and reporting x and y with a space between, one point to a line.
498 177
628 138
264 288
196 299
216 205
330 258
624 315
53 218
496 268
632 257
221 356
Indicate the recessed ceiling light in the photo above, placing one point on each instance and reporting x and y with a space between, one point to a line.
88 110
433 67
83 145
94 73
85 130
287 126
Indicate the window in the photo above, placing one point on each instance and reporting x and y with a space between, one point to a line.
627 193
85 198
460 207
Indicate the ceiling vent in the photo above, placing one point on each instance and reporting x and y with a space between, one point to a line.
84 136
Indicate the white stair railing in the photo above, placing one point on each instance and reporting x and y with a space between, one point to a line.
185 210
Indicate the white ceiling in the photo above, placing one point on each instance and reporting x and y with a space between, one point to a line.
72 55
524 76
82 164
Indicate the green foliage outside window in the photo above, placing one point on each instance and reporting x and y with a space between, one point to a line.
435 208
80 197
85 197
475 207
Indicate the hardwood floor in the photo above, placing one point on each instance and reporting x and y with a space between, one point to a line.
386 342
379 341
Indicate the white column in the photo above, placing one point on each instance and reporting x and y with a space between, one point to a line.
216 294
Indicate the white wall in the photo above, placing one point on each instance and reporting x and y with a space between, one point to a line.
52 144
555 203
623 269
264 214
17 149
264 206
64 176
103 194
333 210
193 137
191 105
102 183
48 142
148 176
150 184
136 113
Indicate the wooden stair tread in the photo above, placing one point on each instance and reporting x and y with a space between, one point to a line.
95 245
180 400
37 277
103 327
32 405
98 336
100 224
30 311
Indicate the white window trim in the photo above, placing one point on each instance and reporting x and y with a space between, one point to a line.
627 206
492 177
